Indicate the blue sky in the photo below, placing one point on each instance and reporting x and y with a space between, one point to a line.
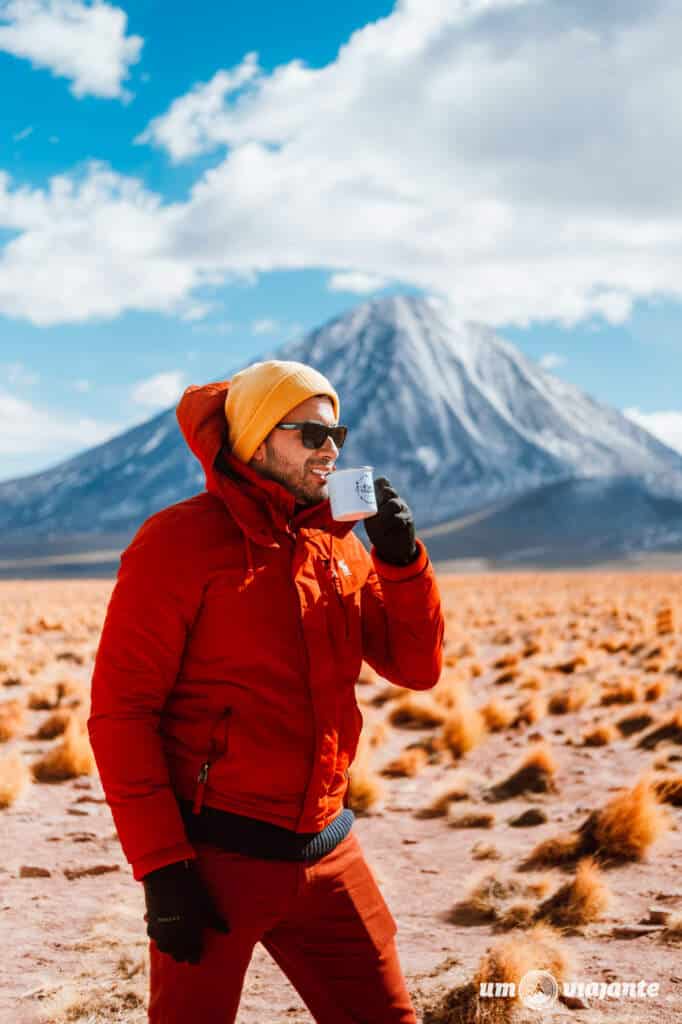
179 191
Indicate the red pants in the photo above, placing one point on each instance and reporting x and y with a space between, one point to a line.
324 922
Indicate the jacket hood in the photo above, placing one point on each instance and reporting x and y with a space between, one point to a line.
258 504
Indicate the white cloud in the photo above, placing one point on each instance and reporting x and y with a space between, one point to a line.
666 426
194 122
17 374
551 360
450 146
357 282
23 134
32 436
160 390
265 326
82 41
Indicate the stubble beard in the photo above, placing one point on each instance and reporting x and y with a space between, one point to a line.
274 469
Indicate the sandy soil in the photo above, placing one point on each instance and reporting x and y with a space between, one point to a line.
75 948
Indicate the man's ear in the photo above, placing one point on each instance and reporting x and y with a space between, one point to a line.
259 454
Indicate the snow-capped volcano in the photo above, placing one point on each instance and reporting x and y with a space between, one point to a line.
454 415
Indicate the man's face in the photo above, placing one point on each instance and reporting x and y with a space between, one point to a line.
282 456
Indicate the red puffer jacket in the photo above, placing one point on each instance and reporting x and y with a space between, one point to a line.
232 643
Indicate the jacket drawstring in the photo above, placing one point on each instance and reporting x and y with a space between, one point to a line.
249 574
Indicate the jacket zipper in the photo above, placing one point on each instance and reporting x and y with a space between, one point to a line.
338 590
304 650
215 749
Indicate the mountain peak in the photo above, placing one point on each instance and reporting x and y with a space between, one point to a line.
456 417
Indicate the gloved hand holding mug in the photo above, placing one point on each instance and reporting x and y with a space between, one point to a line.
178 909
391 530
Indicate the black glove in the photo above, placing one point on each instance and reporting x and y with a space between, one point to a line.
391 530
178 910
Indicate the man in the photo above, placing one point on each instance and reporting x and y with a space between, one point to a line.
224 716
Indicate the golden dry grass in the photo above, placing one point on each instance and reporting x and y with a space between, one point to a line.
623 830
584 899
54 725
531 710
562 702
471 819
600 734
416 711
12 717
14 777
497 715
70 758
408 764
454 792
463 729
629 691
669 789
670 729
535 774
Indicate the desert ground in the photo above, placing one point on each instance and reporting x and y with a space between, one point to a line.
524 814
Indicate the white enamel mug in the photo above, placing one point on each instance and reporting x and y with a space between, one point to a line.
351 493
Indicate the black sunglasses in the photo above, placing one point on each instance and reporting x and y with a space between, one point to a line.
314 435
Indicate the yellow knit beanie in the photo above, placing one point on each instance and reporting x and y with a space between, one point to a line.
261 395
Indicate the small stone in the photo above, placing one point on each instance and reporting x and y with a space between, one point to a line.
634 931
96 869
28 871
659 915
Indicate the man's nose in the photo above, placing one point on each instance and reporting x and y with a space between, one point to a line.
329 441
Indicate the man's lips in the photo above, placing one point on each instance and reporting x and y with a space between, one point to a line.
321 471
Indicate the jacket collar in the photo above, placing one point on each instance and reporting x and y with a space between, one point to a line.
261 506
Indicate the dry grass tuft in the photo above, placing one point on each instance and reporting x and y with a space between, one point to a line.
490 895
574 698
472 819
416 711
506 660
535 774
464 728
11 719
408 764
623 830
531 710
389 692
510 959
669 790
634 722
43 698
571 664
72 757
656 690
600 734
669 729
584 899
54 725
627 692
14 777
497 715
440 804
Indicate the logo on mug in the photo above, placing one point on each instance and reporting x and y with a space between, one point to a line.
365 490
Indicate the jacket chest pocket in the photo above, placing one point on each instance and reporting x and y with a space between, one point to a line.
344 609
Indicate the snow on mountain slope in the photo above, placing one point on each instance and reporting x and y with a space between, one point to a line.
454 415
